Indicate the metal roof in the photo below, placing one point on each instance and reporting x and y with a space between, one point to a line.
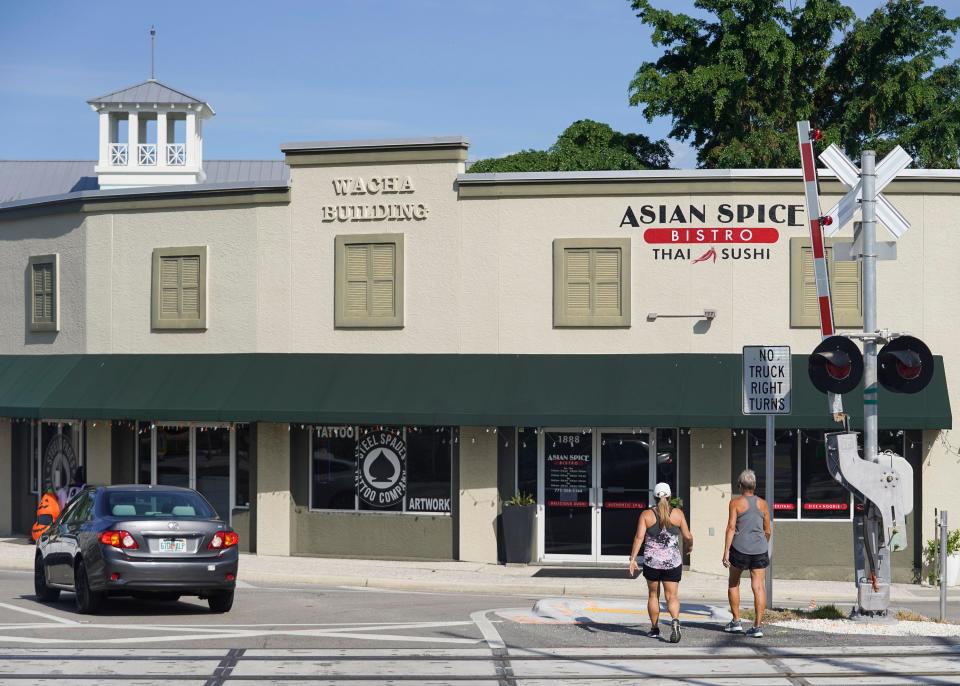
150 91
25 179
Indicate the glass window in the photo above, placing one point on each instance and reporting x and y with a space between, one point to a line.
667 462
428 469
527 461
173 456
144 475
243 465
785 470
381 469
213 468
333 468
820 496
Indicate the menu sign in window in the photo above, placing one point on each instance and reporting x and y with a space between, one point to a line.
568 469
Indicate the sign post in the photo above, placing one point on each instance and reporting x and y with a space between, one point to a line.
767 390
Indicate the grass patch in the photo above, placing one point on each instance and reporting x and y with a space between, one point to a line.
911 616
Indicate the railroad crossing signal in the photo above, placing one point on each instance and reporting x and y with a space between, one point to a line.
836 365
840 214
905 365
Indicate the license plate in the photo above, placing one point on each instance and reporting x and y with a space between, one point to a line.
173 545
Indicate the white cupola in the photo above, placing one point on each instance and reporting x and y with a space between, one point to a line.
150 135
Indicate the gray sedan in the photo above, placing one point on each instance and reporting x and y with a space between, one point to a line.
147 541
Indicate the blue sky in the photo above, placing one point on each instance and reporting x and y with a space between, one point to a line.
508 74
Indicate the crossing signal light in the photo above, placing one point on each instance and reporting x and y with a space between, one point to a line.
836 365
905 365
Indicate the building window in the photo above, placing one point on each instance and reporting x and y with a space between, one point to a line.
369 281
804 488
527 461
381 469
213 459
591 282
844 287
44 292
179 288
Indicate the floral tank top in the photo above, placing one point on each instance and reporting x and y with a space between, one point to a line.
661 547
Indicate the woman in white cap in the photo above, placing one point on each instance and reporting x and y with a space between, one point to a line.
660 530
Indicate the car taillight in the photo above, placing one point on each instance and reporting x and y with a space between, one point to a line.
119 539
223 539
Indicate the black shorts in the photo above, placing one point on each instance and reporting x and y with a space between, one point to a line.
744 561
651 574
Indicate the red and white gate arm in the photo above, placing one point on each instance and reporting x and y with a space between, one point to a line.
812 195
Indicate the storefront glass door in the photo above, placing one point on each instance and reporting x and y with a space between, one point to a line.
593 485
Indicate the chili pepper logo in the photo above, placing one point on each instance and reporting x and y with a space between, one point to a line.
708 255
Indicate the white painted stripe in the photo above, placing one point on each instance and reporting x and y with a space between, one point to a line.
37 613
278 669
489 632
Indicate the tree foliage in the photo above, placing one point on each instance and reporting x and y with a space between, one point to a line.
735 84
585 145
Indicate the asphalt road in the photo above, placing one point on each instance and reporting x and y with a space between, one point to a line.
439 637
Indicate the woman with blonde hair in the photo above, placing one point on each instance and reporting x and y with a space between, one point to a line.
660 531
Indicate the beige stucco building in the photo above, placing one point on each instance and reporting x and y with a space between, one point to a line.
364 351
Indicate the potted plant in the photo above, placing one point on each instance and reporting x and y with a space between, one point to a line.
931 553
518 517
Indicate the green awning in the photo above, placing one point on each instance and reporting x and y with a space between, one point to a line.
691 390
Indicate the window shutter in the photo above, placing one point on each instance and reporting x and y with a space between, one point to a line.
845 291
179 288
190 287
43 292
382 276
845 280
809 305
170 287
577 270
369 281
357 265
606 300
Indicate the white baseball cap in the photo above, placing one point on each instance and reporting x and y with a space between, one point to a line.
661 490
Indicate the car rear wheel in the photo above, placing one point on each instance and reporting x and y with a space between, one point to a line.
88 600
221 602
40 588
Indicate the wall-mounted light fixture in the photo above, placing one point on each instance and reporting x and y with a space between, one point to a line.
708 313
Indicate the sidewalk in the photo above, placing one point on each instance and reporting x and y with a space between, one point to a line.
473 577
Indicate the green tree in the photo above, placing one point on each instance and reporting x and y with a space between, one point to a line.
585 145
735 84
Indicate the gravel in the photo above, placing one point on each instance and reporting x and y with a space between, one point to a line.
845 626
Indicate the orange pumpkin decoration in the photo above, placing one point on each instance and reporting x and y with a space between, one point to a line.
47 512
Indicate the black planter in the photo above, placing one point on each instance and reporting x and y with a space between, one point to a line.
518 532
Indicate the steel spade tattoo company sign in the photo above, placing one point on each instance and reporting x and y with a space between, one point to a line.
725 235
381 477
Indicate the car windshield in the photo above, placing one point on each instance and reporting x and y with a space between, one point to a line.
166 504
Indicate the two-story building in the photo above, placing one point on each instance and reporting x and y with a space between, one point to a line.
361 350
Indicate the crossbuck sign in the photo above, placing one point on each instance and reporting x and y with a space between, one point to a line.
766 379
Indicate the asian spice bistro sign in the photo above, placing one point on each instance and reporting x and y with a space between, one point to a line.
732 232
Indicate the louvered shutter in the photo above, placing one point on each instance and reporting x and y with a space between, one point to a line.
356 259
169 287
382 276
577 282
190 287
845 291
369 278
43 293
809 307
606 282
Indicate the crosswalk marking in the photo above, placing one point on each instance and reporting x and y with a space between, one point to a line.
728 666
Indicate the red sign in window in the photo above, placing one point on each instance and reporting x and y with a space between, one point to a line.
568 503
618 505
785 506
840 507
